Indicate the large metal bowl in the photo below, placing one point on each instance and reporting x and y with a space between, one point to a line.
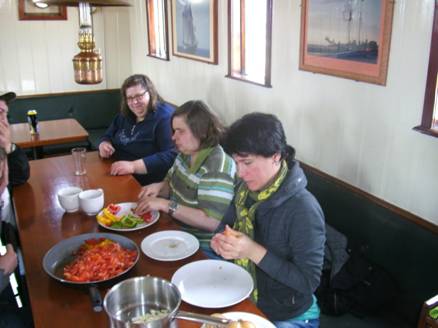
138 296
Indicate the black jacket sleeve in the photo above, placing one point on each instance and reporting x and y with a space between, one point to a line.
19 170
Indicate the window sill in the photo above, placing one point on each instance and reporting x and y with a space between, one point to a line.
157 57
267 85
429 131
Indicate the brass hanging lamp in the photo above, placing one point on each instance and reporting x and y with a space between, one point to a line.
87 64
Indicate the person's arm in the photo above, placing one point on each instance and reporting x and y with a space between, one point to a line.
112 129
302 269
19 170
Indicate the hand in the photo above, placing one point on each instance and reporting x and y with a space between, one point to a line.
106 149
8 262
232 245
122 168
147 204
5 135
151 190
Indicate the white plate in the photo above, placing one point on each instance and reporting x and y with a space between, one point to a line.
126 209
213 283
257 320
169 245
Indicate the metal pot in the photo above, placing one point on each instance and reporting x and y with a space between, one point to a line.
138 296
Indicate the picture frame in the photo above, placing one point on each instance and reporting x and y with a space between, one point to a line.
194 30
347 38
28 11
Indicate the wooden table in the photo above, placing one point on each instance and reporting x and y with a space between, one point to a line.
42 223
50 133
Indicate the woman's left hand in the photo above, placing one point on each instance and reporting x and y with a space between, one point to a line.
233 245
122 168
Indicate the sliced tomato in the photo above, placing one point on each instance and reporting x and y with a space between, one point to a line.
147 217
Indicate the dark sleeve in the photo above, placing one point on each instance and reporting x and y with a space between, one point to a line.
19 170
229 218
306 241
161 161
111 131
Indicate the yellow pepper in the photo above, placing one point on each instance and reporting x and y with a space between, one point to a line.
110 216
104 220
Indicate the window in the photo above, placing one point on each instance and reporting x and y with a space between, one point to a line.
157 28
429 121
249 40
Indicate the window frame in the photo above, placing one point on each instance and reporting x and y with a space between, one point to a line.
428 126
269 11
151 32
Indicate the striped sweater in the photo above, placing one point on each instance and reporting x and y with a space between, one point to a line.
207 185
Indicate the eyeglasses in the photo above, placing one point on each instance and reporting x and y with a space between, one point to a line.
136 97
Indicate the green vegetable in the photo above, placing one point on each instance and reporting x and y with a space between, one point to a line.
433 313
128 221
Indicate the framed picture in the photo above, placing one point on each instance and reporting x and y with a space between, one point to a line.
27 10
194 26
347 38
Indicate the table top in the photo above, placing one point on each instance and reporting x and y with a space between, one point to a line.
42 223
50 133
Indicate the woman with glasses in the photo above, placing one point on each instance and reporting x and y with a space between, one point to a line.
274 228
140 136
200 185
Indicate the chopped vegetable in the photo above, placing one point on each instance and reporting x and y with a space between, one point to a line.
99 259
152 315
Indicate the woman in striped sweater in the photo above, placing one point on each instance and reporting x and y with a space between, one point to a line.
199 186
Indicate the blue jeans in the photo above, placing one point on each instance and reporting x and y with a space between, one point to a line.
313 323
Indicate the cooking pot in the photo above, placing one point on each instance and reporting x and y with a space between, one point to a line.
137 296
64 252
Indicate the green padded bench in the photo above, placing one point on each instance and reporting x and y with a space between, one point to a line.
403 244
93 110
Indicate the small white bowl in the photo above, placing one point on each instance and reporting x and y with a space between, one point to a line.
69 198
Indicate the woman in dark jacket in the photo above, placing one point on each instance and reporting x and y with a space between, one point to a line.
274 227
140 137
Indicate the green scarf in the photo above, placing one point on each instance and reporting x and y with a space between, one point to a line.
245 217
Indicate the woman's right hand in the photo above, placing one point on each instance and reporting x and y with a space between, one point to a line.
106 149
8 262
151 190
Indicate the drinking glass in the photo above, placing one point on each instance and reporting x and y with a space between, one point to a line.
79 157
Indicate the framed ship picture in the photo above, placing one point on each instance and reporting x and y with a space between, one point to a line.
194 27
347 38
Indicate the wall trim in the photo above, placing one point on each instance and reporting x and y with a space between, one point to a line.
59 94
399 211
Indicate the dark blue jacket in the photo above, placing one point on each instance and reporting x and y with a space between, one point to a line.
150 140
290 225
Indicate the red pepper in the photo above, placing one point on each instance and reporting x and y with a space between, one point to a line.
114 209
147 217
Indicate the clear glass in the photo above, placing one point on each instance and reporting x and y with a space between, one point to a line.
79 155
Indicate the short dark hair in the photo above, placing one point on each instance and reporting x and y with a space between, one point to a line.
258 134
202 121
146 83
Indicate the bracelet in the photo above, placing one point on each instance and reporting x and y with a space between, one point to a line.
173 205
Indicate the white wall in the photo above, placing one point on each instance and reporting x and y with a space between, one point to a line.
358 132
36 56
